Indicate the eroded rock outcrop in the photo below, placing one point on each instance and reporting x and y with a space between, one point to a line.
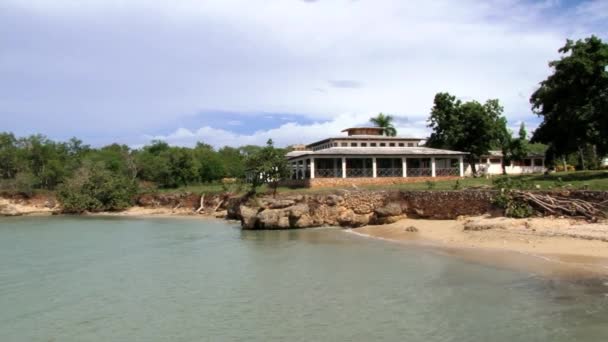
356 208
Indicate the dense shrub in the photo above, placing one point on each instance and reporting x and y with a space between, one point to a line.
96 189
24 183
513 207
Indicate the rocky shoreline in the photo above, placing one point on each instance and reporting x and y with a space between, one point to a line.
452 219
354 209
339 208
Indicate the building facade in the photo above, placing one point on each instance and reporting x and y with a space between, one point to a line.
366 156
491 164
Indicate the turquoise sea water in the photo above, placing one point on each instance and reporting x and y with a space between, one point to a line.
110 279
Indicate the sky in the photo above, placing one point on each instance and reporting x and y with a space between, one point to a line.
236 72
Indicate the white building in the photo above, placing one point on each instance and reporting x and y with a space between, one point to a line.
492 164
366 156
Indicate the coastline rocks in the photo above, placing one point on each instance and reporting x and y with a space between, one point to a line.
248 217
356 208
9 210
278 204
272 219
351 219
391 209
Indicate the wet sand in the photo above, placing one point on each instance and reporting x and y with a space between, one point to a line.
546 246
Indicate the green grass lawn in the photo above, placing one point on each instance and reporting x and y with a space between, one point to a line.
590 180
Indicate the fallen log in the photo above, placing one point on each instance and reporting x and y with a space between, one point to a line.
202 204
557 205
218 206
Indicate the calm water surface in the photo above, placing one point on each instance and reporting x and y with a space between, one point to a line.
76 279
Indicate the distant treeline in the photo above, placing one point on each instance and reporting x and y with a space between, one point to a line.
113 173
37 162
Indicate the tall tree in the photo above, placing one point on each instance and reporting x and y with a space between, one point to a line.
9 163
386 122
468 127
573 101
268 165
520 147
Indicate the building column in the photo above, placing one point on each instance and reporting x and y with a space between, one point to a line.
343 167
404 163
302 169
312 168
374 168
461 166
432 166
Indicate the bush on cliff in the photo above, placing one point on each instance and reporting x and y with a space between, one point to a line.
94 188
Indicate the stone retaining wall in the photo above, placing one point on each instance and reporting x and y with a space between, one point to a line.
349 182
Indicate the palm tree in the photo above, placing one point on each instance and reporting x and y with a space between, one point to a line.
386 122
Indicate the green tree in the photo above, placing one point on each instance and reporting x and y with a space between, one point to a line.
520 147
267 166
469 127
210 166
152 164
386 122
46 160
233 162
573 101
512 148
9 156
95 188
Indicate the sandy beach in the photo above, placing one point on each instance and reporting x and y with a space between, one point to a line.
557 245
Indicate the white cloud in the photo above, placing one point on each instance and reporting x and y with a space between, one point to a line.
148 63
285 135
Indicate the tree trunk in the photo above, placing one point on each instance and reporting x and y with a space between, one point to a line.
472 163
564 163
582 156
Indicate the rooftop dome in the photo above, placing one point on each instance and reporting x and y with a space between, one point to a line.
364 131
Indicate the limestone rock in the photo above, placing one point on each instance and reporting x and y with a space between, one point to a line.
349 218
273 219
298 210
249 219
391 209
221 214
333 200
305 221
278 203
411 229
327 215
9 210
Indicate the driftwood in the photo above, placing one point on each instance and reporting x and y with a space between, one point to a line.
202 204
218 206
563 206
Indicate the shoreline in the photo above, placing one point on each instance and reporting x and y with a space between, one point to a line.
504 243
571 247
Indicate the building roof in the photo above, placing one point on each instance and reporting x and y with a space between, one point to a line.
369 151
364 137
369 127
497 153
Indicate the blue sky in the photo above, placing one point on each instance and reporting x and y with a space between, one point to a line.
232 72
